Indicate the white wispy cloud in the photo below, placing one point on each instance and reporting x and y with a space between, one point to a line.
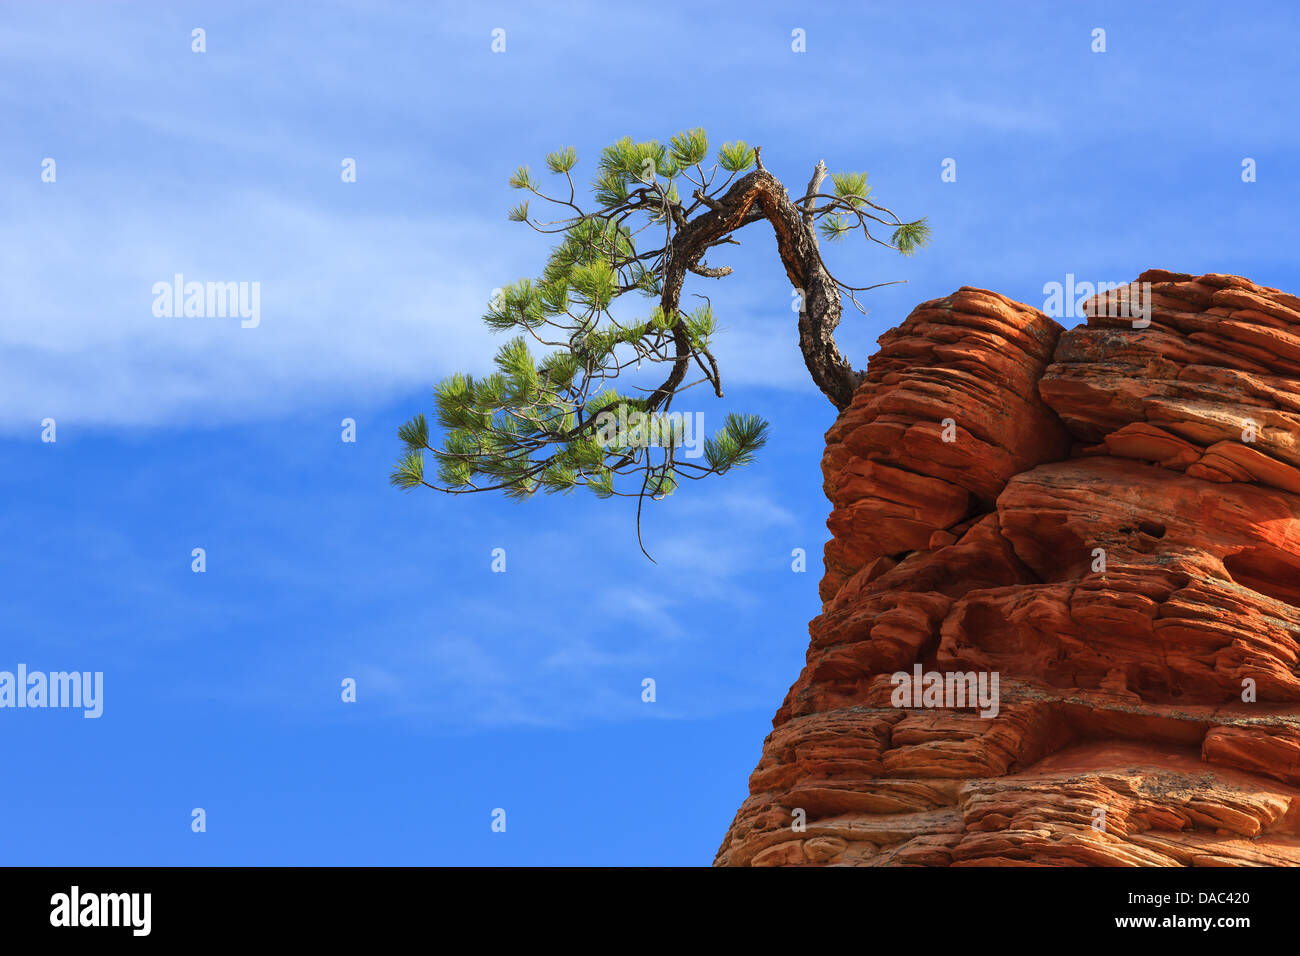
351 305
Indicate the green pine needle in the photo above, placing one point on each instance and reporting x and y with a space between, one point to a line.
415 433
835 227
736 157
409 472
522 178
562 160
911 236
690 148
851 187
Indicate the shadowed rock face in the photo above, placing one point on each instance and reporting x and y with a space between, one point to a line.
1108 519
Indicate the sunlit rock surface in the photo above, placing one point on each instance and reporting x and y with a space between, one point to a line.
1108 519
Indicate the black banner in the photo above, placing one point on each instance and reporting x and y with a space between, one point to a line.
336 905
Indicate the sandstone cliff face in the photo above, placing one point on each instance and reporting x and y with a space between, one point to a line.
1108 519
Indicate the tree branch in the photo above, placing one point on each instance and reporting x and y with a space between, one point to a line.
760 195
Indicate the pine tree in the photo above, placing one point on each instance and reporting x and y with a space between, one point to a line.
545 424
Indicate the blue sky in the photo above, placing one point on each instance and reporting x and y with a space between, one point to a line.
479 690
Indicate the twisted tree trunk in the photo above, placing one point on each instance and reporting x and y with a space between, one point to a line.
760 195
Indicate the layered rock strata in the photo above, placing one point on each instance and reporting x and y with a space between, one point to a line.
1106 519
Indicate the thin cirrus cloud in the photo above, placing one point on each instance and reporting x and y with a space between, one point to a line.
350 305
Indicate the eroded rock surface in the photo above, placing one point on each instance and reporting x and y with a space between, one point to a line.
1107 518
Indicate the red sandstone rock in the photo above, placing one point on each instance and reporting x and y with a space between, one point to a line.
1113 528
